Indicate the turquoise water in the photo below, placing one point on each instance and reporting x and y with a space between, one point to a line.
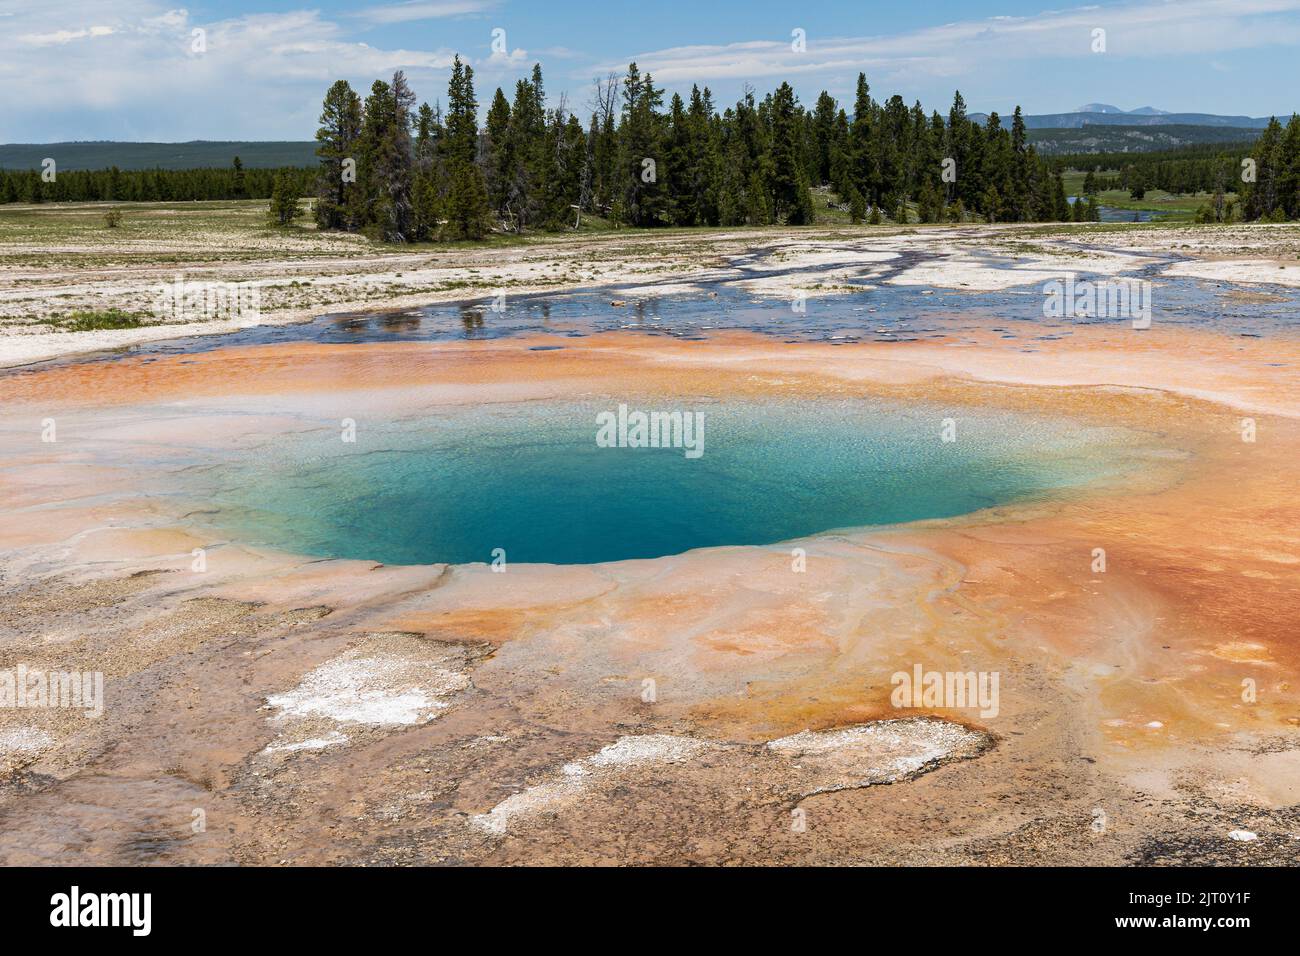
531 480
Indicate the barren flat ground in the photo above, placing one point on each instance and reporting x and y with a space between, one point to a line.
58 262
268 706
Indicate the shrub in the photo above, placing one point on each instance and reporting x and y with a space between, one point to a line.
857 206
284 202
92 321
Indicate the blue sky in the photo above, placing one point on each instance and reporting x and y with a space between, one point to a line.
129 69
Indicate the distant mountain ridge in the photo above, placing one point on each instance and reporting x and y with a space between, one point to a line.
1108 138
197 154
1104 114
1079 120
1107 108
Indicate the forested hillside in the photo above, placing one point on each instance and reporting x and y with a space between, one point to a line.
1136 139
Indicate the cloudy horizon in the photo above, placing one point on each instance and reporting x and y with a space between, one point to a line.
257 69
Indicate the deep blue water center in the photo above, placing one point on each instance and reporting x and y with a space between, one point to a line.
531 480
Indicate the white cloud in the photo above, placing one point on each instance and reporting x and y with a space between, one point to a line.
514 58
60 37
260 76
1141 29
560 53
422 10
124 69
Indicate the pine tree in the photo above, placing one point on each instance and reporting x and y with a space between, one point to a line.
641 151
958 135
862 146
467 212
1261 196
857 205
824 137
997 171
755 158
426 192
923 158
401 168
1061 211
525 149
1019 187
703 150
790 199
732 180
500 155
841 180
462 115
565 169
679 165
340 130
384 173
1288 204
891 145
283 208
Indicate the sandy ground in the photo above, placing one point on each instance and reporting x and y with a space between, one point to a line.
271 709
314 274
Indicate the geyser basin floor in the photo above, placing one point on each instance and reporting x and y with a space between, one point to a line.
529 483
1120 689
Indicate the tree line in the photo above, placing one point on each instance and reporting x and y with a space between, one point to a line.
1199 168
405 174
1264 175
1273 192
149 185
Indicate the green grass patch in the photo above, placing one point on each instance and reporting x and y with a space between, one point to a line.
1173 205
95 321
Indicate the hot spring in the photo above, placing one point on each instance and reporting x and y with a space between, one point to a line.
531 483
